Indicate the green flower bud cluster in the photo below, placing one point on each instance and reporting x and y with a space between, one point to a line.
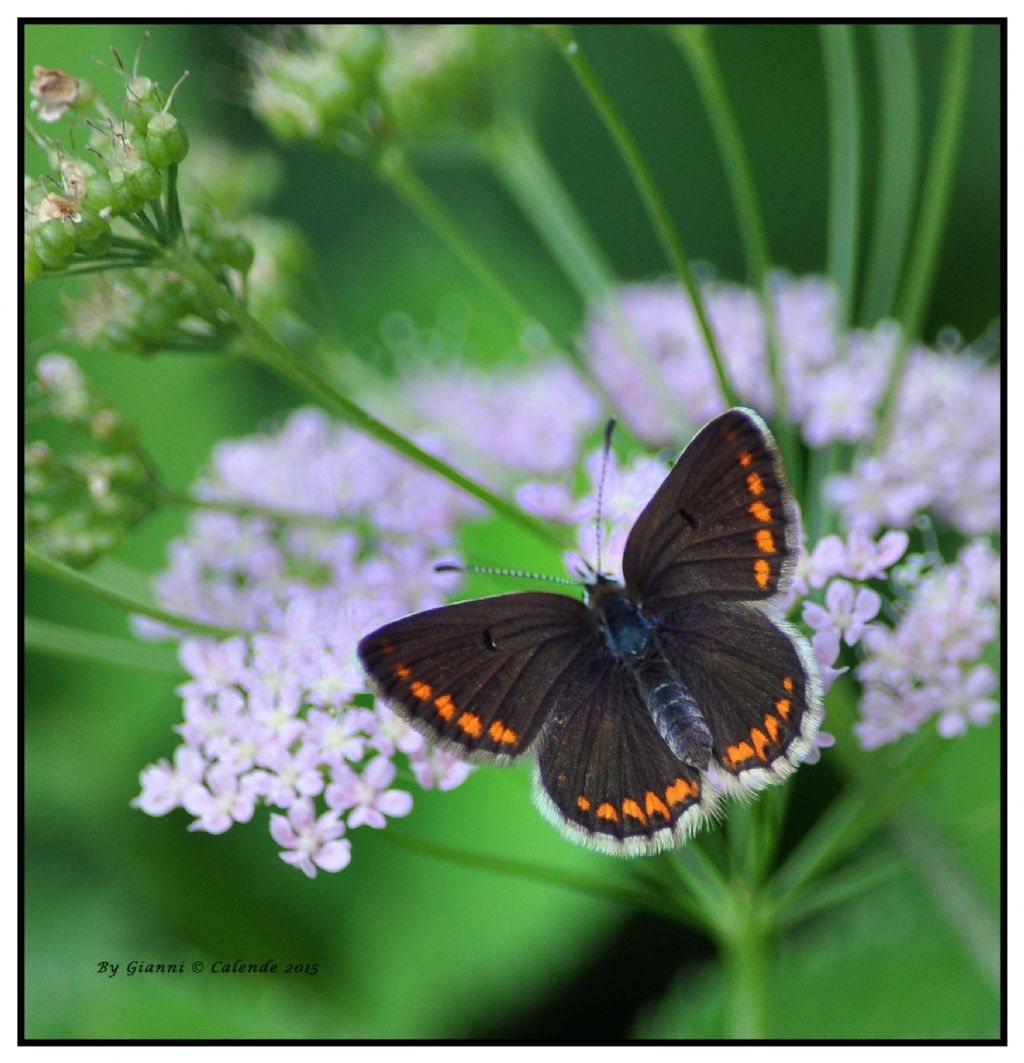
354 87
80 501
123 170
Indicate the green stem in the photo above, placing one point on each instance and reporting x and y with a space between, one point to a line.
899 150
35 561
246 509
60 640
837 889
819 517
695 44
396 172
625 895
142 222
643 179
843 94
174 226
99 267
745 947
515 156
931 223
851 817
272 354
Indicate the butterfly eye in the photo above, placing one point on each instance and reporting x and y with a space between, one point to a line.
489 642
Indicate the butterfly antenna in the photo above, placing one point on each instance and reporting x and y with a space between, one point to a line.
608 429
450 566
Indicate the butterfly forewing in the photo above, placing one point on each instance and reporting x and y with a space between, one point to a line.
755 681
722 526
606 776
479 677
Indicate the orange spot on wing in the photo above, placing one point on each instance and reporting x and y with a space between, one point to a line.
760 511
470 724
745 459
788 684
762 572
764 540
501 734
755 485
760 740
402 672
771 725
607 811
423 691
739 753
445 706
387 648
782 708
631 808
653 803
679 791
582 803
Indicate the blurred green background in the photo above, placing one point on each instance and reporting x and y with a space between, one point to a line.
409 946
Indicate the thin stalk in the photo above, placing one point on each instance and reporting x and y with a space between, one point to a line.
246 509
60 640
517 160
931 223
745 947
819 517
844 120
174 226
515 156
695 44
98 267
142 222
851 817
38 562
272 354
898 165
402 179
643 179
625 895
830 892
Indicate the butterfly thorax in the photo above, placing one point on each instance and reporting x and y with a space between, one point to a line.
632 638
628 631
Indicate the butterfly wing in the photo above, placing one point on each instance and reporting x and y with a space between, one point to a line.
755 682
723 525
605 776
480 677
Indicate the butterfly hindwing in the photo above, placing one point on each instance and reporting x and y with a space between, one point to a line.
479 677
605 776
755 682
723 525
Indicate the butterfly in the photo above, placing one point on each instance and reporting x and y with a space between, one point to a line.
646 701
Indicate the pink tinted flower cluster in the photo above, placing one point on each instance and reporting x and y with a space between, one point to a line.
942 454
646 347
508 422
272 719
928 665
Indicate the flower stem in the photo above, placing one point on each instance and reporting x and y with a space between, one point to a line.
515 156
843 94
899 151
397 173
931 223
744 942
607 891
643 179
695 44
272 354
60 640
247 509
36 561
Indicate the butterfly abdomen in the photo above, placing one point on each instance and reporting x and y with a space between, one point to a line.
675 713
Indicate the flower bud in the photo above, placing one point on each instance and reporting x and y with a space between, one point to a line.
54 242
165 143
